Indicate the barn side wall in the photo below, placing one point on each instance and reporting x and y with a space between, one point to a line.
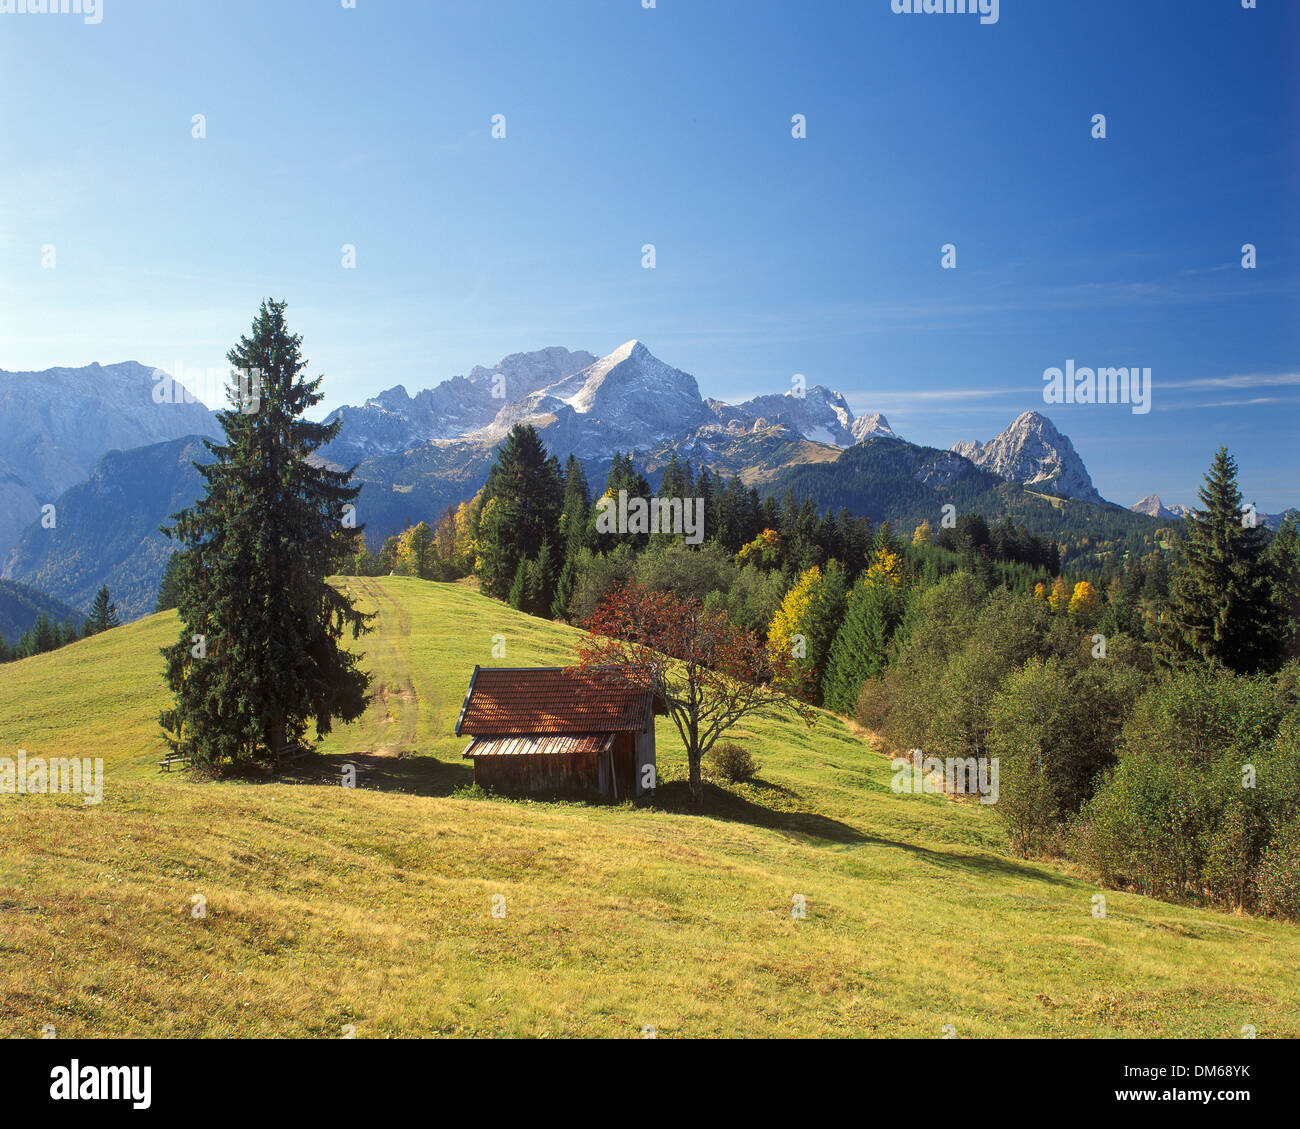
578 774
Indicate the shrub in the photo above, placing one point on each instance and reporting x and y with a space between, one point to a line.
1277 879
734 762
874 700
1175 818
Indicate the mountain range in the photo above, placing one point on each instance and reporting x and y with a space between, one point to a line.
116 457
1152 506
55 426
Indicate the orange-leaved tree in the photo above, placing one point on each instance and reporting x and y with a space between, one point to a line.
709 671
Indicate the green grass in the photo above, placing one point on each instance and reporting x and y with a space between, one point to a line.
372 907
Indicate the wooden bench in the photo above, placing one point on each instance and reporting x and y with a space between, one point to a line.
290 756
172 758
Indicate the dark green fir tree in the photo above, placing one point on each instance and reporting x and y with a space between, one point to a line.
259 658
103 613
521 509
1221 602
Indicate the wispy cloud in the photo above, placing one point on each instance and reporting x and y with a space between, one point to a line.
1238 380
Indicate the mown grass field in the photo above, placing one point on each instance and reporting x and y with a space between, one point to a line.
370 910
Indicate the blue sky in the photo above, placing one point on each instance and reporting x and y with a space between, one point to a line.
672 126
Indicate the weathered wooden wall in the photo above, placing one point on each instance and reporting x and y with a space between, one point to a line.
577 774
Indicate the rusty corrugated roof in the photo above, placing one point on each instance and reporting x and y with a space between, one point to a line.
542 700
558 744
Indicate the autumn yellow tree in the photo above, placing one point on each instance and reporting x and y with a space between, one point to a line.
924 535
765 550
783 635
463 551
415 551
807 620
1059 600
1084 601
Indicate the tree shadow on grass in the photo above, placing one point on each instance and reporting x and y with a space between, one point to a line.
719 803
384 772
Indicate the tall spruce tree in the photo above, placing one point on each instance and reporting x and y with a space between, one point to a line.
521 508
1221 602
861 647
577 532
259 656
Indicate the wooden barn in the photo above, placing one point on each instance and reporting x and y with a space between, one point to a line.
559 730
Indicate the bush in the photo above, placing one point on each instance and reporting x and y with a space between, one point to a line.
1173 819
874 700
734 762
1277 879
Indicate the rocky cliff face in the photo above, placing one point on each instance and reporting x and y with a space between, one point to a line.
1032 452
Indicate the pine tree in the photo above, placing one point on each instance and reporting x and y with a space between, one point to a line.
577 532
6 651
518 594
861 646
1222 600
259 655
44 636
103 614
521 507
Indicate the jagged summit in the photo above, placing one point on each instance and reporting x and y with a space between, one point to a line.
1033 452
1152 506
628 399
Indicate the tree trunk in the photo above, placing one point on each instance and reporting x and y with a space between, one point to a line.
697 784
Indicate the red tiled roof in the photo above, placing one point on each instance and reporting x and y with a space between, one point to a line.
558 744
514 700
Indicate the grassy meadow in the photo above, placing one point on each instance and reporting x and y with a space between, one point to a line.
332 911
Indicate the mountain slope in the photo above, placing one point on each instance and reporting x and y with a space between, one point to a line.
107 531
56 424
890 479
819 415
1033 453
21 606
372 906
